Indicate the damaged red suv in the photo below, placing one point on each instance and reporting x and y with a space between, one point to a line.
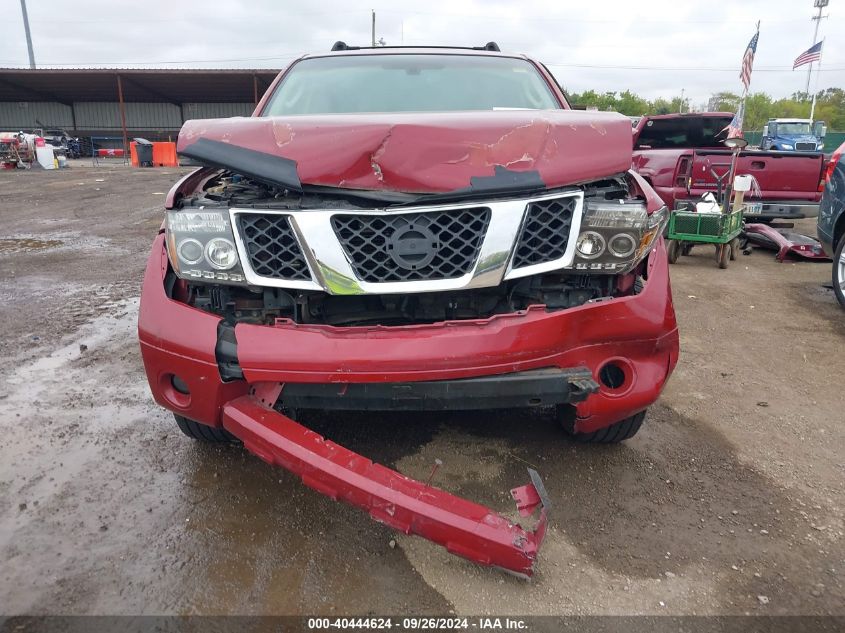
409 229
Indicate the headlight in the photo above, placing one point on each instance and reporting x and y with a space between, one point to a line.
201 246
590 245
786 146
221 253
616 235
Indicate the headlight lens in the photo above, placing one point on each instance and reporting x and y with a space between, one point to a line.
201 246
190 251
221 253
616 235
590 245
787 146
622 245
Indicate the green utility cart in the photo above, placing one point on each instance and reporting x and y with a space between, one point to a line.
688 229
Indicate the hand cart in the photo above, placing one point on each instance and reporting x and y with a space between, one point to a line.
688 229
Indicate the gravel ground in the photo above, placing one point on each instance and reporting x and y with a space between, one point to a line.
729 501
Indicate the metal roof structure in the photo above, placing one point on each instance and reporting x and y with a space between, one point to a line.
138 85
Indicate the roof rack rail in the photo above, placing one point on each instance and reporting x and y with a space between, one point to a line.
343 46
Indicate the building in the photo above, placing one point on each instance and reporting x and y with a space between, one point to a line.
109 105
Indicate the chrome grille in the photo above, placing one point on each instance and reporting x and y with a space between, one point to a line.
271 246
805 147
545 232
412 246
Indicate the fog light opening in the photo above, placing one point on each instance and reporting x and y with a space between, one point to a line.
612 376
180 386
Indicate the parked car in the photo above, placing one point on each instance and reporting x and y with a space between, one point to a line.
683 157
61 141
831 222
453 237
800 135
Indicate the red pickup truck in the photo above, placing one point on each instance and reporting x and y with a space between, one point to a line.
682 156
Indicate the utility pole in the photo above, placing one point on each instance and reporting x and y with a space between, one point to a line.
28 35
681 106
819 4
373 30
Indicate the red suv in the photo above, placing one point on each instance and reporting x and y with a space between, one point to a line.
408 229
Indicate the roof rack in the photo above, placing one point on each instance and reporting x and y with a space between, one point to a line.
343 46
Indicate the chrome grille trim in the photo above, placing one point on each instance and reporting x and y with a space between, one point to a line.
331 270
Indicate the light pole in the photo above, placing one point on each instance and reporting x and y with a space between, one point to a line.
819 4
28 35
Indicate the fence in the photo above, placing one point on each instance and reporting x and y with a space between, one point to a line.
831 141
108 149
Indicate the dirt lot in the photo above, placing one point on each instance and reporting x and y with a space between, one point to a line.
729 501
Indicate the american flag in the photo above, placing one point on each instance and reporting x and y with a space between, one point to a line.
748 61
735 126
812 54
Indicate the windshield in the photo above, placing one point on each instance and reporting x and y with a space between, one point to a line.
684 132
793 129
409 83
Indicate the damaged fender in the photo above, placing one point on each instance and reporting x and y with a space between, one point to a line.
464 528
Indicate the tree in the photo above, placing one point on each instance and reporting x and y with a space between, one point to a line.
759 107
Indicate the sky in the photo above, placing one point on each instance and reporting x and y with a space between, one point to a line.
656 48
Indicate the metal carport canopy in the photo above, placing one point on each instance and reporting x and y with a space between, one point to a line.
139 85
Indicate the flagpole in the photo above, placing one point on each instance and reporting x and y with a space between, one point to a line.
816 88
818 20
745 89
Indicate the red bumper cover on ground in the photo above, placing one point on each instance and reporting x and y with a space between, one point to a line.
462 527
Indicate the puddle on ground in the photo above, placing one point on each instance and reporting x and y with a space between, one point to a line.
14 246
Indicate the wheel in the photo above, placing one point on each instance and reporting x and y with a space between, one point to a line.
203 432
839 271
723 255
673 251
735 248
613 434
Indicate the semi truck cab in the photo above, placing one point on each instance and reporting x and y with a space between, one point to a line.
799 135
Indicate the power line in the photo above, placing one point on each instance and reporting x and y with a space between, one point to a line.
639 19
106 20
782 69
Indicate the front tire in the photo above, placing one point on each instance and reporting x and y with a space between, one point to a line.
203 432
673 251
613 434
723 255
839 271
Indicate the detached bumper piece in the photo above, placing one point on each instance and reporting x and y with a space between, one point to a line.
412 507
785 242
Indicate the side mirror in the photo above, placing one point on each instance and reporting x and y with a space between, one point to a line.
765 130
819 129
773 129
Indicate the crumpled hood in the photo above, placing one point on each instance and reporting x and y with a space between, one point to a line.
423 152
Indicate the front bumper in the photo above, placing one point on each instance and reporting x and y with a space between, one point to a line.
638 334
